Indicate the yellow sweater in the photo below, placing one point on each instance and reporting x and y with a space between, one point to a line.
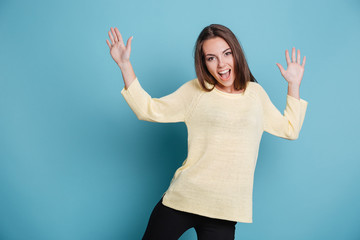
224 132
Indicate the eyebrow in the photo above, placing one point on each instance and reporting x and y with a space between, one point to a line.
209 54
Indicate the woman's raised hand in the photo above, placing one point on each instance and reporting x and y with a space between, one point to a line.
119 52
294 72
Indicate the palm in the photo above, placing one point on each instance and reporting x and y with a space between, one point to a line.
294 72
119 52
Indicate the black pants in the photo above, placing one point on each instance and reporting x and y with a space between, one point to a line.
169 224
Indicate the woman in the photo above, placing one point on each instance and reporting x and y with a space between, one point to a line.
226 112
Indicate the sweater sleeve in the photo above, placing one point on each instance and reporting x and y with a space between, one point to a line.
287 125
170 108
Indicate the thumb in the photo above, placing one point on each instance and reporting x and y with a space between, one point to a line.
128 43
281 68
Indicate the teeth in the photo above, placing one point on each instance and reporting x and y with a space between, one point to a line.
225 71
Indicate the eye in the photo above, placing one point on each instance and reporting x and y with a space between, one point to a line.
210 58
228 53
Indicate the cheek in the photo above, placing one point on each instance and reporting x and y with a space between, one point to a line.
232 61
211 68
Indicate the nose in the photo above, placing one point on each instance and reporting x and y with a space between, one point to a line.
220 62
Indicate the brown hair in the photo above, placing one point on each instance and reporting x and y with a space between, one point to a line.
241 69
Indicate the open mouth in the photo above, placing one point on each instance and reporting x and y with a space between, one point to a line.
225 75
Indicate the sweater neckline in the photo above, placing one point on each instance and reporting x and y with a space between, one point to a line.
233 95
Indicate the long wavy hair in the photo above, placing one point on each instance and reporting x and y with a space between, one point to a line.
241 69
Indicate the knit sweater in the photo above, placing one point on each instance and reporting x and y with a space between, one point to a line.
224 133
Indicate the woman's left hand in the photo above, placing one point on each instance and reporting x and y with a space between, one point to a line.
294 72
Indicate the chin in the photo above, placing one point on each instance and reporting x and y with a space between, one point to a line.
228 83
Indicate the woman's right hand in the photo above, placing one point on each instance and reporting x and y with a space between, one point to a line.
119 52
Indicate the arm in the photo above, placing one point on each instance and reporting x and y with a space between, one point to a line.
171 108
288 125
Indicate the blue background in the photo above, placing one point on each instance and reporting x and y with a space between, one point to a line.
76 163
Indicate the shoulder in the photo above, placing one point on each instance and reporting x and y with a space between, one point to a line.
193 86
256 87
257 91
190 90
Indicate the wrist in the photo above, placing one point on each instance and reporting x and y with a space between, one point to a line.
294 90
125 64
294 86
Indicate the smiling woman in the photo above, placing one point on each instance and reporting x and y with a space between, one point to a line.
217 50
212 190
220 64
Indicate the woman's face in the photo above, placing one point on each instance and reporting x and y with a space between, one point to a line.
220 63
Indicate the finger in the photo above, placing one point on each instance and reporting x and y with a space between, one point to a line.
113 33
293 55
108 43
111 38
128 43
282 70
119 35
298 56
304 60
287 57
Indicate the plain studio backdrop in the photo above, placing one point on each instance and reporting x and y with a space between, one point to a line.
76 163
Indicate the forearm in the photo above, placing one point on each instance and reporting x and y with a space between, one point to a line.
128 73
294 90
